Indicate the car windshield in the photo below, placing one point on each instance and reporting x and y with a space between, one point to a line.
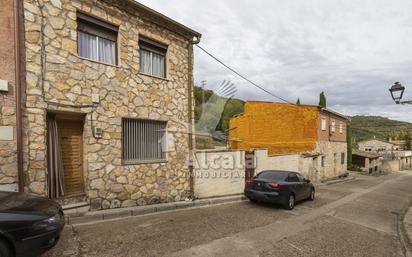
280 176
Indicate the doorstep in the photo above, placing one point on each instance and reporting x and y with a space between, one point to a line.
76 218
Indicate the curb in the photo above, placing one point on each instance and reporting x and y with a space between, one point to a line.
111 214
336 181
406 230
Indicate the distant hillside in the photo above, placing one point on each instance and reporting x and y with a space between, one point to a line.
366 127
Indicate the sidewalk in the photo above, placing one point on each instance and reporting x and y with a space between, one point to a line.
73 218
407 222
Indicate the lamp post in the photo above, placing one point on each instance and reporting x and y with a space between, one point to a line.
397 91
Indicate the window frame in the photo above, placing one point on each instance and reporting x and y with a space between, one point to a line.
155 47
323 124
100 29
143 161
341 128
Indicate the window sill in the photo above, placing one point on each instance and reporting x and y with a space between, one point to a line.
91 60
153 76
137 162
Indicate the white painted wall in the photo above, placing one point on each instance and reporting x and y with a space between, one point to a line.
219 173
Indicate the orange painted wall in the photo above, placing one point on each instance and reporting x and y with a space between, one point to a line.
281 128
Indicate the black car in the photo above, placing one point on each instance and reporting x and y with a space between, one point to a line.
29 225
281 187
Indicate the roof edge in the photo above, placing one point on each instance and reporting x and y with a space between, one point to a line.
151 13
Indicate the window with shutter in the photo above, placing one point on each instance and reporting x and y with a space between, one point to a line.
143 141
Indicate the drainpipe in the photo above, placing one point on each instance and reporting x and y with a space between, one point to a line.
194 41
18 85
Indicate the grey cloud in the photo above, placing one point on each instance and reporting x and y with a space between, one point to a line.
353 50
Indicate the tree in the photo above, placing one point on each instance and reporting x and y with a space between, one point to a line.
407 142
298 101
322 100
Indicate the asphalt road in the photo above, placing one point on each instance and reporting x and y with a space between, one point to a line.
354 218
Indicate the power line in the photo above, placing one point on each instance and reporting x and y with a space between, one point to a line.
240 75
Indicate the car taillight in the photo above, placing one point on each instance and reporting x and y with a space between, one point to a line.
248 182
274 185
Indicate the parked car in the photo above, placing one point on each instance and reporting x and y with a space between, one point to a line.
281 187
29 225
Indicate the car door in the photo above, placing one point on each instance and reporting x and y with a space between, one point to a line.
305 186
296 185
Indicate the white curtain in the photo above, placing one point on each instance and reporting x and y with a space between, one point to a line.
107 51
87 45
97 48
145 61
158 65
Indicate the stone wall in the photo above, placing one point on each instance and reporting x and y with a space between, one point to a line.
71 80
333 166
375 145
8 146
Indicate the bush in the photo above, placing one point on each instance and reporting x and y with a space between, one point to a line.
353 167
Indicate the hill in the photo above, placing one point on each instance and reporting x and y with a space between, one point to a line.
366 127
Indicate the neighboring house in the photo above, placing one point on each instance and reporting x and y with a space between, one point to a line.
376 145
398 145
368 161
106 85
288 128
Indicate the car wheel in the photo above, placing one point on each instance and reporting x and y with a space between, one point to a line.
290 204
312 195
4 249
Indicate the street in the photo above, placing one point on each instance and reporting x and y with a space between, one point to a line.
353 218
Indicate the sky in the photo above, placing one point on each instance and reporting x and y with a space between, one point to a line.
353 50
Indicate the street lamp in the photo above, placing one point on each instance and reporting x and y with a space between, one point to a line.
397 93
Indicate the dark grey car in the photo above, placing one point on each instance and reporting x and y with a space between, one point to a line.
281 187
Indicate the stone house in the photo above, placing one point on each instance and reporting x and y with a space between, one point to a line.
368 161
376 145
318 134
107 113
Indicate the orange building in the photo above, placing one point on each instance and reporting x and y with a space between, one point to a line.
289 128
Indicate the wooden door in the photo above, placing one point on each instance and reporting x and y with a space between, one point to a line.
71 139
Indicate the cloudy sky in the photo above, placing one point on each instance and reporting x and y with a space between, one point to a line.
352 50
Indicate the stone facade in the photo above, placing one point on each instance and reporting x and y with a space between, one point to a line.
375 145
333 163
8 145
58 79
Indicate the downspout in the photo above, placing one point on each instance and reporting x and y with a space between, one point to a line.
194 41
19 87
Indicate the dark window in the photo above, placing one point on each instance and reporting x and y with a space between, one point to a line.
143 141
96 39
293 178
280 176
300 177
323 161
152 57
342 158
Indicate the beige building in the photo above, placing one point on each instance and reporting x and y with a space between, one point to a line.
107 110
376 145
